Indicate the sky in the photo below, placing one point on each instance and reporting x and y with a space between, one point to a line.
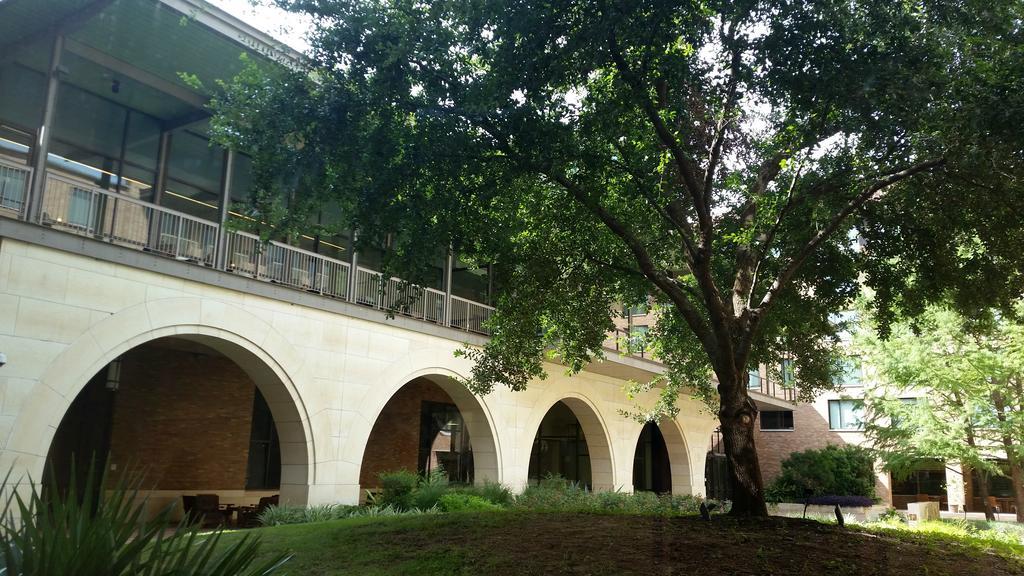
284 26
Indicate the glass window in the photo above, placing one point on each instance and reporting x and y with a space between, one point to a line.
264 469
80 208
777 420
194 171
22 93
788 370
637 310
469 282
848 373
754 379
845 414
638 337
928 477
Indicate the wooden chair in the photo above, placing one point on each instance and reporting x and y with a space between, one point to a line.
207 510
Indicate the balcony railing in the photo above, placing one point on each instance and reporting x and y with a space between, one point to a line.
75 206
14 181
774 388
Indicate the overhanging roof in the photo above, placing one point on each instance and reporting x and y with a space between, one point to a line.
146 45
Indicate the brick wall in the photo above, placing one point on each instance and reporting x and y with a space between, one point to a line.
810 431
395 439
185 415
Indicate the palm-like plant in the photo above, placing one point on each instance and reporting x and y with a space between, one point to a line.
95 531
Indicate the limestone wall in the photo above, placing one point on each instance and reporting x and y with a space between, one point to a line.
326 376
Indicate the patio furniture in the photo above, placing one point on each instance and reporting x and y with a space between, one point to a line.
208 512
249 516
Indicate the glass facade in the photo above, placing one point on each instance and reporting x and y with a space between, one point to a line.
845 414
651 470
560 449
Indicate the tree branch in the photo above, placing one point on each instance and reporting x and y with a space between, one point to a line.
684 164
856 202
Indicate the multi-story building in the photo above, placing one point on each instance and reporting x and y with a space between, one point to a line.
835 418
137 323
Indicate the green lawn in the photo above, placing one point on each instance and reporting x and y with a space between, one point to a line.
518 543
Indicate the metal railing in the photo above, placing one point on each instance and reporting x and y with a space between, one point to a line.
470 316
771 387
14 180
399 296
73 205
90 211
623 342
283 264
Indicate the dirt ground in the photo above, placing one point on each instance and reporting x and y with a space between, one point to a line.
519 544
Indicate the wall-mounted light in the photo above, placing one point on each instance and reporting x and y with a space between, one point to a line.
3 359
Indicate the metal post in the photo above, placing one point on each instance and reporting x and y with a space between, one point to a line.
221 256
490 284
448 266
34 203
354 262
120 178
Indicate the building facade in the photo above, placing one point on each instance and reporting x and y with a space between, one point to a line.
142 329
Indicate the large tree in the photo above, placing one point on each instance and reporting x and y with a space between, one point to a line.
715 157
970 378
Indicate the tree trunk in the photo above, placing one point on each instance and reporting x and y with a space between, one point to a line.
737 414
1017 474
983 491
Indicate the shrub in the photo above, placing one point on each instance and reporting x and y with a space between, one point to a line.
830 471
457 502
429 490
101 531
280 515
397 488
841 501
491 491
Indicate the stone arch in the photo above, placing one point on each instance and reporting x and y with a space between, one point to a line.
262 353
442 368
595 432
678 454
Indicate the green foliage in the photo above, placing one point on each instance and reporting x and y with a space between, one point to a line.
429 490
555 494
397 488
459 502
281 515
716 159
831 471
492 492
583 149
102 529
973 371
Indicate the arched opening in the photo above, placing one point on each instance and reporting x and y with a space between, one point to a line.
431 423
652 470
198 417
570 443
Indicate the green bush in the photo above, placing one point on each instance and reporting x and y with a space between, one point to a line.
397 488
429 490
104 531
491 491
830 471
555 494
458 502
281 515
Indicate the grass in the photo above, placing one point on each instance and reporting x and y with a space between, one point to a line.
525 543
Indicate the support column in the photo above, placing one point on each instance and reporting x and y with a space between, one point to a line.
353 263
448 267
34 202
221 260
